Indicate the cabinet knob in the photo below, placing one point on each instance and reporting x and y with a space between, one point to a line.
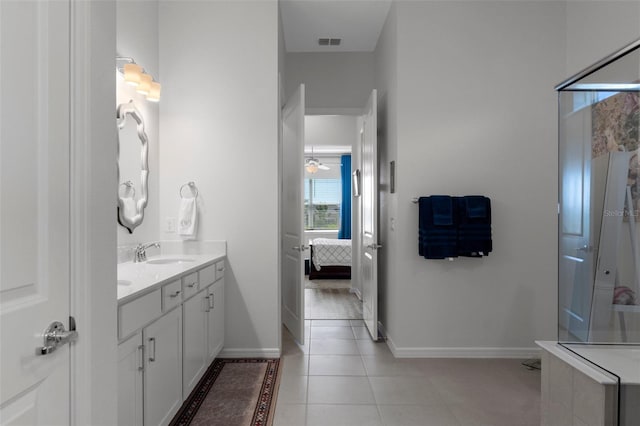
175 294
192 285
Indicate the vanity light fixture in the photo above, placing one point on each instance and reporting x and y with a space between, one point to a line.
132 73
136 76
145 84
154 92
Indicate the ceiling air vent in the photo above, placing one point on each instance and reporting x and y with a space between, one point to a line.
329 41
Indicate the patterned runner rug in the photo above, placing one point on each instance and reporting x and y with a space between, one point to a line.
233 392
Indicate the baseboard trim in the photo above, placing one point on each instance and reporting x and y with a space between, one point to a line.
357 292
464 352
249 353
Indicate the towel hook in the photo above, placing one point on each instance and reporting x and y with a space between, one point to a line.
191 186
129 184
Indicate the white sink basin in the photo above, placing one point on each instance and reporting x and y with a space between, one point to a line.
169 261
124 282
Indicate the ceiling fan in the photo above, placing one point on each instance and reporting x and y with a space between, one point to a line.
312 165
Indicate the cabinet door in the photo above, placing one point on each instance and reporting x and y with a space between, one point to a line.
163 364
215 324
130 367
194 353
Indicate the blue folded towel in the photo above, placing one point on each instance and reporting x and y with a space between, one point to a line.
437 233
442 210
476 206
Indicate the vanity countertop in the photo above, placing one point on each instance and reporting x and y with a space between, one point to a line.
137 279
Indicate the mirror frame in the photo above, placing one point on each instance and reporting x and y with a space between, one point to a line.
123 113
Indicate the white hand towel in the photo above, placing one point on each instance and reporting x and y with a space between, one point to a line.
187 218
129 205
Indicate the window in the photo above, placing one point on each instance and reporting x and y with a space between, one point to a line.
585 99
322 203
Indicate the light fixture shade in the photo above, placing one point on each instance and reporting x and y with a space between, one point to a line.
132 73
154 92
311 167
145 84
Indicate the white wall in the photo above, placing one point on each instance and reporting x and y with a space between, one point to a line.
334 82
219 119
332 130
476 114
137 37
94 273
596 29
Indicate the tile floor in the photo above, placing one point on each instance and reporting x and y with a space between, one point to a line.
341 378
325 299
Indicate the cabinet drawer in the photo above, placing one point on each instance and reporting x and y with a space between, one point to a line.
220 269
138 312
190 285
171 295
207 275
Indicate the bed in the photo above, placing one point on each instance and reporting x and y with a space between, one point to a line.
330 259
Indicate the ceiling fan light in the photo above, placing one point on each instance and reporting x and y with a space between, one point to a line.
311 167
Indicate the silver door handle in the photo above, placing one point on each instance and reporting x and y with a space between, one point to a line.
374 246
54 336
141 351
586 248
152 358
212 301
208 304
299 248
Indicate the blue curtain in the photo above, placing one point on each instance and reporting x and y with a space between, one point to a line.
345 205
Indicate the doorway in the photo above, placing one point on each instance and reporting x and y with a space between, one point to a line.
330 290
298 219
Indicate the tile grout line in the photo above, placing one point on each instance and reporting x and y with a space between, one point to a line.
371 386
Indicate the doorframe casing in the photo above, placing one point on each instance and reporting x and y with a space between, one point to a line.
93 293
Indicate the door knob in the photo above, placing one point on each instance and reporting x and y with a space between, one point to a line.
54 336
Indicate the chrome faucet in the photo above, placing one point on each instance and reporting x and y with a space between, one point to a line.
140 254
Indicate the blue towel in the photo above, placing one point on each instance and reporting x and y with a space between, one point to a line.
476 206
474 230
437 238
442 210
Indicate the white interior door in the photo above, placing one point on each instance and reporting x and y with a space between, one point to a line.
576 274
292 209
369 232
34 210
609 178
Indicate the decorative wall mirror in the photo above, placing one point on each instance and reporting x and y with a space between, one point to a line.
133 169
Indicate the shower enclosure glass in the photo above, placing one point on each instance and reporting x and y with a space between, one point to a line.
599 202
599 221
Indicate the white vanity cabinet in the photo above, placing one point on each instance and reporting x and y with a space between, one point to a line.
168 337
130 367
163 368
194 341
203 326
215 325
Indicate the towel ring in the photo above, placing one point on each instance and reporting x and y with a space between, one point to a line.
129 184
191 186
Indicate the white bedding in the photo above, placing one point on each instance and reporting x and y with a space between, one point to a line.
330 252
